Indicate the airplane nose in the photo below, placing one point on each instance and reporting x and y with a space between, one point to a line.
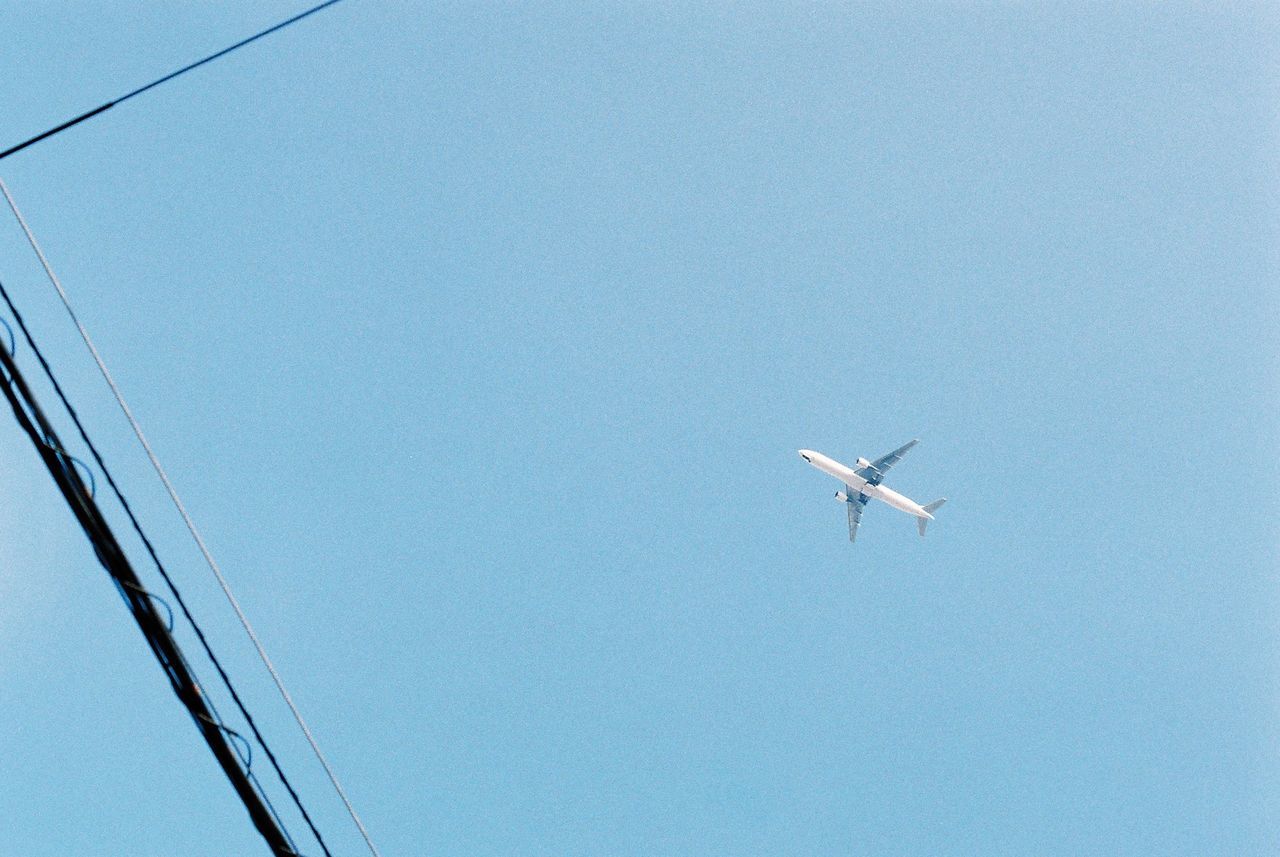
804 453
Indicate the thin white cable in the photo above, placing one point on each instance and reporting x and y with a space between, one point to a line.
182 510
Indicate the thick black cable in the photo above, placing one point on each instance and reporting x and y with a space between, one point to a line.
137 528
39 430
217 719
64 126
141 89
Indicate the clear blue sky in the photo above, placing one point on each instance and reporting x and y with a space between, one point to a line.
480 341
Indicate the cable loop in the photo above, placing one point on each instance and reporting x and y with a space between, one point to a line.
13 342
246 757
157 598
66 456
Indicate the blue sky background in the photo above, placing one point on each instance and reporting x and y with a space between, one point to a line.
480 341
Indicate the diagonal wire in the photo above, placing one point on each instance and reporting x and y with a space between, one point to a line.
224 51
155 558
141 89
186 517
109 553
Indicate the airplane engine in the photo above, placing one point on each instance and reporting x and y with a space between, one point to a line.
862 462
842 497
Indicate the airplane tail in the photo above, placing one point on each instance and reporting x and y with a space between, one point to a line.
924 522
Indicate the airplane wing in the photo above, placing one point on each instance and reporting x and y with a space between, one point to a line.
878 468
856 503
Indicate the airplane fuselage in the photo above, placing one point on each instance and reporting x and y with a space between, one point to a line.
850 478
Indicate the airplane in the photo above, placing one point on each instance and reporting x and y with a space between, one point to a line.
863 484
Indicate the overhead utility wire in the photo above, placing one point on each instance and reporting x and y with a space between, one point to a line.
191 525
137 429
134 423
54 446
112 557
155 558
141 89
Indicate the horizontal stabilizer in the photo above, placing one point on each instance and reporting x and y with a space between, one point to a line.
931 508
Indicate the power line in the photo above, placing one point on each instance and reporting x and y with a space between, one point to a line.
168 77
162 643
137 528
191 525
137 429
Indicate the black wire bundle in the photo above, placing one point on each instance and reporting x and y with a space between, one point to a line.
157 632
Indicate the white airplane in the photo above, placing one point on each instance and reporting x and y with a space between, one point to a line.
864 483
